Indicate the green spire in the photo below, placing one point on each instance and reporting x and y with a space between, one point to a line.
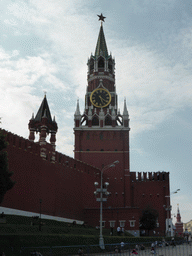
101 47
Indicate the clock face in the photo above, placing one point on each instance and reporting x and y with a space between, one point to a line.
100 98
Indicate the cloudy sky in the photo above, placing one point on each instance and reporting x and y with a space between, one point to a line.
44 46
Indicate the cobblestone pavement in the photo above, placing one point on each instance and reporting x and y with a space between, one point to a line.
179 250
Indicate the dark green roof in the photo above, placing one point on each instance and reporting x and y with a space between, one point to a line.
101 47
43 110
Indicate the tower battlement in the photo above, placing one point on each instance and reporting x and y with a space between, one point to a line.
149 176
19 142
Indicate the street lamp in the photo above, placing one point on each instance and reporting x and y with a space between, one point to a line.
168 208
102 191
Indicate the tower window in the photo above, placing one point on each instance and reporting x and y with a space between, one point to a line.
102 149
84 121
108 121
95 121
110 67
101 63
101 136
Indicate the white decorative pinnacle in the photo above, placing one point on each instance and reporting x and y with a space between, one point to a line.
113 112
90 112
100 82
86 104
77 112
125 112
101 113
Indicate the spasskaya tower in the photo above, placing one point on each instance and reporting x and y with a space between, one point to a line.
102 132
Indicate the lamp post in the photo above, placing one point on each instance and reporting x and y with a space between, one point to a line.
168 208
102 191
40 201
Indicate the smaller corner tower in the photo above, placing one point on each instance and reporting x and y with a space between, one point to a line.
179 223
43 124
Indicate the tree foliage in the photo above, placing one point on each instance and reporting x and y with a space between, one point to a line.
148 219
5 182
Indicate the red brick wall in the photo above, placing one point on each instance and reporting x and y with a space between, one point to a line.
151 191
65 188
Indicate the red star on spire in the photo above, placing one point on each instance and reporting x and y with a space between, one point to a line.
101 17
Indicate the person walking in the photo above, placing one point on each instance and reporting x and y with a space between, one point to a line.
122 246
118 231
80 251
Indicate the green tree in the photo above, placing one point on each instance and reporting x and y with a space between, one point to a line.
5 182
148 219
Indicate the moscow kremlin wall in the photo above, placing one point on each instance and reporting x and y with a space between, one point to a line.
66 187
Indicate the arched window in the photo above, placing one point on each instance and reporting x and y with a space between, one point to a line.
110 66
101 63
119 120
84 120
108 120
95 121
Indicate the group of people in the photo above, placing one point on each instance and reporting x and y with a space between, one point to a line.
120 231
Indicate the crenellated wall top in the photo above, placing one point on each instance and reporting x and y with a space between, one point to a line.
149 176
21 143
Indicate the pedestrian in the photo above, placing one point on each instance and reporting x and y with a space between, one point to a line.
134 252
116 249
80 251
173 242
118 231
189 239
152 250
142 247
137 247
156 244
2 254
35 253
122 245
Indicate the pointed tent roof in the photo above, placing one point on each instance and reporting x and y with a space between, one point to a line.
43 111
101 47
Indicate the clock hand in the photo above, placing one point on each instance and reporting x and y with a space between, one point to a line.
101 98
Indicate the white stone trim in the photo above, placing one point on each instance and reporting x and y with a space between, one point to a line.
11 211
132 223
